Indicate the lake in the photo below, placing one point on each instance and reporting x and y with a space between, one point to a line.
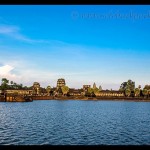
75 122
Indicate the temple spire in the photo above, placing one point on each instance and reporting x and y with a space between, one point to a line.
94 85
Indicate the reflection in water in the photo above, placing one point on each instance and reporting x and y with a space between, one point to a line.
75 122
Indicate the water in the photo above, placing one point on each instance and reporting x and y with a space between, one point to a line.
75 122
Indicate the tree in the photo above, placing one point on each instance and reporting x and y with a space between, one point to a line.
48 89
25 87
131 85
145 92
96 91
91 91
127 85
11 82
65 89
123 86
5 81
4 84
15 85
21 86
128 92
137 92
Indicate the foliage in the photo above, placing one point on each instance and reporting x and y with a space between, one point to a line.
48 89
128 92
137 92
90 90
145 92
127 85
96 91
65 89
4 84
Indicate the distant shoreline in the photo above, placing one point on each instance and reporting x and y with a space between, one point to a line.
83 98
136 99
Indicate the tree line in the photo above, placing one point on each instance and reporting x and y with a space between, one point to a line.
130 91
6 84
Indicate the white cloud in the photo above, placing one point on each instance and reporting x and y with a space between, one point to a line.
4 70
14 32
8 29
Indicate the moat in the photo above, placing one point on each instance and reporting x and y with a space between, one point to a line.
75 122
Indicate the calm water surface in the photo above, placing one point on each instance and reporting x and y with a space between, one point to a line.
75 122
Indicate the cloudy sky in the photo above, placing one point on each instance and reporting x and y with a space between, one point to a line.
83 44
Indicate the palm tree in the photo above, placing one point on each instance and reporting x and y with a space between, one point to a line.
145 92
21 86
48 89
15 85
65 89
137 92
128 92
11 82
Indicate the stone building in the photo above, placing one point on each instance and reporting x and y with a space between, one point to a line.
19 92
60 82
36 88
76 92
94 86
110 93
85 87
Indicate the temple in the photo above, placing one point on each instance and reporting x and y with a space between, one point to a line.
37 90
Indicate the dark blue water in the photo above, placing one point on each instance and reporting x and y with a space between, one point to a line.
75 122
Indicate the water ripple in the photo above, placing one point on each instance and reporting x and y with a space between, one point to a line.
75 123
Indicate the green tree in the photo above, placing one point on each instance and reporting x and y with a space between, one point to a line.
15 85
91 91
127 85
145 92
25 87
96 91
21 86
137 92
65 89
131 85
123 86
4 84
48 89
128 92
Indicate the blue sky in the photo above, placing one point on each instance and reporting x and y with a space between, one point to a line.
83 44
